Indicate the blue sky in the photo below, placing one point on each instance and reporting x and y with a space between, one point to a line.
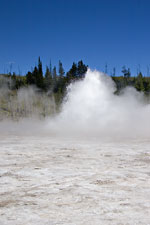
116 32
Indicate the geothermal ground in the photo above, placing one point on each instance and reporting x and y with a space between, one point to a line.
47 181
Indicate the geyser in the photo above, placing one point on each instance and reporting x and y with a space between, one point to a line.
92 108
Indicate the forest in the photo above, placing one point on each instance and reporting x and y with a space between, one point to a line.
18 99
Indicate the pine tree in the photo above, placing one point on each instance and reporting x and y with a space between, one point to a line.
50 68
139 84
72 73
35 75
54 73
61 70
39 77
29 78
48 79
61 78
54 79
82 69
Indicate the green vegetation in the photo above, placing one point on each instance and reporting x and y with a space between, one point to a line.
56 82
50 88
18 99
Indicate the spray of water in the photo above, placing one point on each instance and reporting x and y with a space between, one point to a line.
91 108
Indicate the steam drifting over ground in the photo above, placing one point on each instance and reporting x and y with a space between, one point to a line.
89 164
91 108
27 102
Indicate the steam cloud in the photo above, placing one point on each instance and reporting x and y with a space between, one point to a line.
92 109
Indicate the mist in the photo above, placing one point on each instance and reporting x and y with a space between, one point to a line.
90 109
91 157
26 102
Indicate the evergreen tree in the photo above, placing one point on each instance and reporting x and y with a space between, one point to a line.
61 79
40 67
82 69
48 79
54 74
54 79
29 78
139 84
35 75
148 85
61 70
39 77
50 68
72 73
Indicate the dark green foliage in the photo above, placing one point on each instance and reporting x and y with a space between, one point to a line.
82 68
48 79
61 70
29 78
35 76
76 71
139 83
39 76
56 84
61 84
72 73
54 73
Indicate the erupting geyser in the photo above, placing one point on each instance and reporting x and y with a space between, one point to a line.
91 107
53 169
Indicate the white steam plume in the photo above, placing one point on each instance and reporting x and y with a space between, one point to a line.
92 109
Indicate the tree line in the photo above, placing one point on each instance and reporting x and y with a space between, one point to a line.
55 82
